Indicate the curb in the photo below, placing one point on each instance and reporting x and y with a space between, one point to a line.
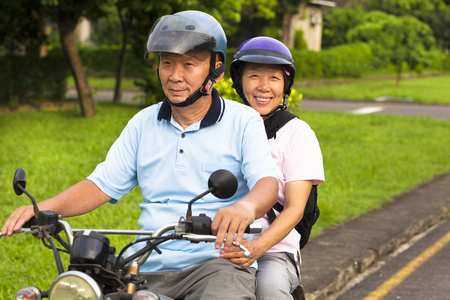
332 259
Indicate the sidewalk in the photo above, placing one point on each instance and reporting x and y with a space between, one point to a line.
332 259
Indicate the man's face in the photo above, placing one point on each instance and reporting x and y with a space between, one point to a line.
182 75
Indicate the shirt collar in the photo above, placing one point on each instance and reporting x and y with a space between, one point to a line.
214 114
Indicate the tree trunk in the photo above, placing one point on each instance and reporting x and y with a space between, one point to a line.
125 22
399 73
66 26
119 73
287 30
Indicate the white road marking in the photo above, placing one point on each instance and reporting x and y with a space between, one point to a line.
367 110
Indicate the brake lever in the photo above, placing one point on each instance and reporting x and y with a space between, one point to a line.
24 230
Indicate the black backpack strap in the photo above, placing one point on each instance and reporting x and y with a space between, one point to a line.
276 121
271 214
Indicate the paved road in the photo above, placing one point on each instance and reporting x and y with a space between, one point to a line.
393 108
418 270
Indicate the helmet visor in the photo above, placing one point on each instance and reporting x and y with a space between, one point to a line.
180 35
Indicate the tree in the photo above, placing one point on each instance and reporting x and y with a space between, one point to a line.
337 23
398 40
22 26
436 13
405 7
67 20
255 18
25 30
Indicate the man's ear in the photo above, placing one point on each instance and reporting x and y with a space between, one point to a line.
218 64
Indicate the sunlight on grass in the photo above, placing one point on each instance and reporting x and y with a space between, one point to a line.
424 90
105 83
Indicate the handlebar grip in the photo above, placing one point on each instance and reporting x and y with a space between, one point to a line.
254 228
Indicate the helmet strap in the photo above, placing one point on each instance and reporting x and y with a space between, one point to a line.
281 106
206 86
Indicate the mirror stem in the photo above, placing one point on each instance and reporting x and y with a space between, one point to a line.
35 208
189 210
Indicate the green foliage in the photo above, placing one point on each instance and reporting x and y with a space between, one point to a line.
436 13
349 60
405 7
31 78
439 23
299 41
226 91
337 23
397 40
342 61
256 17
107 30
22 26
104 60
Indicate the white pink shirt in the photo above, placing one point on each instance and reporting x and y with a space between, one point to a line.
297 155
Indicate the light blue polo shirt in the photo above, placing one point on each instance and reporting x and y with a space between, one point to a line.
172 166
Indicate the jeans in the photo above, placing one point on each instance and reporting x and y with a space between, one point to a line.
277 276
214 279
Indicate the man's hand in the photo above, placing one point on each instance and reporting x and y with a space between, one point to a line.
230 222
16 220
236 256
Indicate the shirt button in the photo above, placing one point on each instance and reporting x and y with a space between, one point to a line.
183 135
181 151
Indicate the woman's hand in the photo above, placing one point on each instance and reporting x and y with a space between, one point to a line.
236 256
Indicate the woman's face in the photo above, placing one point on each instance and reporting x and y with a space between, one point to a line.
263 86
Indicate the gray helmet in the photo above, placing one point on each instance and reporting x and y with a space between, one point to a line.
186 32
263 50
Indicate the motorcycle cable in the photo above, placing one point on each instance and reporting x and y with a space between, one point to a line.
152 243
58 261
61 241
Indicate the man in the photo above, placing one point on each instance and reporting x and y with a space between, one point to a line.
170 149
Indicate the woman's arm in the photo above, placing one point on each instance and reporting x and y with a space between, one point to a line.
297 193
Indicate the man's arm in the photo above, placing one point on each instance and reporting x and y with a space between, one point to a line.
235 218
79 199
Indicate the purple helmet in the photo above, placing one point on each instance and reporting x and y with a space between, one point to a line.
262 50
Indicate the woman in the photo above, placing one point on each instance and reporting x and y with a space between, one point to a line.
263 72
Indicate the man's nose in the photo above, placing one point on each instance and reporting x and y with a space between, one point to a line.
177 73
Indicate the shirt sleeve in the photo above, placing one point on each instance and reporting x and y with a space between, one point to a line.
305 157
257 159
116 176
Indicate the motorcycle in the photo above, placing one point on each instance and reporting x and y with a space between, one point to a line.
95 271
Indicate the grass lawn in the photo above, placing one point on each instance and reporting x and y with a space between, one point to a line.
368 160
99 83
424 90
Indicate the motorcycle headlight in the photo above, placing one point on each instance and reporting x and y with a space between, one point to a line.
145 295
75 285
28 293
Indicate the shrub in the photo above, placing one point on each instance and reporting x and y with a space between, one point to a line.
103 61
31 78
341 61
